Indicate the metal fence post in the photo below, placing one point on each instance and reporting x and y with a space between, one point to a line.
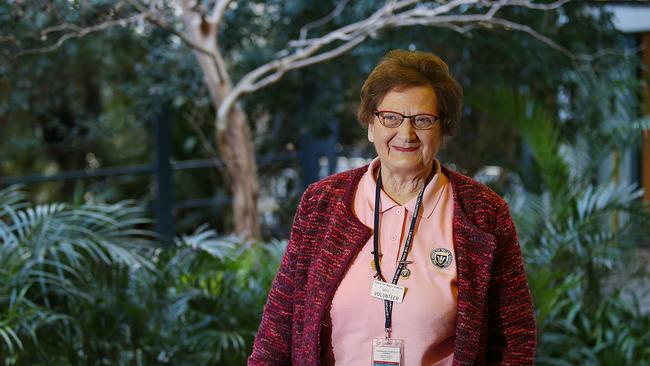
164 177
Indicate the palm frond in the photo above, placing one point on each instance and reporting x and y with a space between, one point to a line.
536 127
11 196
61 256
626 135
605 199
10 338
207 240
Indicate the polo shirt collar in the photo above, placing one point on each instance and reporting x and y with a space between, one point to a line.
432 192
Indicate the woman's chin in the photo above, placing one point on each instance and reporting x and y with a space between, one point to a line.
407 167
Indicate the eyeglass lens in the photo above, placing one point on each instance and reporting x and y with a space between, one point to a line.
394 119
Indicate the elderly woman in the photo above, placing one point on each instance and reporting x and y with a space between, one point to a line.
403 261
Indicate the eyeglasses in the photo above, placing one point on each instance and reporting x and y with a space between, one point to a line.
392 119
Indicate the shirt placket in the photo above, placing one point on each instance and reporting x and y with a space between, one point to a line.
393 237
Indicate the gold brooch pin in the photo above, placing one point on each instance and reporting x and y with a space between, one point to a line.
372 261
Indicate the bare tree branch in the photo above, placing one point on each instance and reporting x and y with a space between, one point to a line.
348 32
526 29
59 28
533 5
76 32
465 29
322 21
159 21
393 14
218 11
307 51
481 20
610 52
195 21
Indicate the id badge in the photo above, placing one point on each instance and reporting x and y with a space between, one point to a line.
387 291
387 352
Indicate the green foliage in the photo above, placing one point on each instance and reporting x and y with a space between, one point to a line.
217 287
532 121
576 233
86 285
613 332
61 267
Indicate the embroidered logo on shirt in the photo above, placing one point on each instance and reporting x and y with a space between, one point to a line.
441 257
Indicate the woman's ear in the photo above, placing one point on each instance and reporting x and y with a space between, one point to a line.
443 142
371 129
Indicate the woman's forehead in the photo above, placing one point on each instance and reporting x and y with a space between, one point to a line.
416 97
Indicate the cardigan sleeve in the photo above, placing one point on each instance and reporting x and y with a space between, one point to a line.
511 319
272 344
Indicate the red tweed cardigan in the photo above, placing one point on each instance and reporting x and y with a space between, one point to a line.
495 320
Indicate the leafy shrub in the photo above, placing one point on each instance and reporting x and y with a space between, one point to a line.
87 285
216 289
575 235
612 332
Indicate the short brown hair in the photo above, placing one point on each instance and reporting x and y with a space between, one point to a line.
401 68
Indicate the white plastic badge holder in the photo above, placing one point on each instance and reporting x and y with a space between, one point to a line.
387 352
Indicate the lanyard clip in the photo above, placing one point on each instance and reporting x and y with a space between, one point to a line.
388 333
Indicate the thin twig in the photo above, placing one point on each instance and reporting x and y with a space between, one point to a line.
60 27
535 6
205 142
324 20
82 32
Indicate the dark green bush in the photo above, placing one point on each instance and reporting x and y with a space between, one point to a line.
577 233
86 286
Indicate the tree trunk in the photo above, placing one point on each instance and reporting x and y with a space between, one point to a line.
235 144
238 153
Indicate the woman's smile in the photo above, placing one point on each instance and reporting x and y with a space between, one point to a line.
405 149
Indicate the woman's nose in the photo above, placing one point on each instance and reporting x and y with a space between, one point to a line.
406 130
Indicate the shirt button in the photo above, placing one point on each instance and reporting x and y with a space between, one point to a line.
399 211
394 237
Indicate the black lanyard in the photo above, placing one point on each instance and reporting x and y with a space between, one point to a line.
388 305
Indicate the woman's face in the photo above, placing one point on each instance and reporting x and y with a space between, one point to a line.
404 150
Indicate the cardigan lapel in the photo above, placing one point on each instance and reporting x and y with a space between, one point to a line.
338 247
474 254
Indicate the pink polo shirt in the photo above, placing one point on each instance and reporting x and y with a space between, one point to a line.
426 319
